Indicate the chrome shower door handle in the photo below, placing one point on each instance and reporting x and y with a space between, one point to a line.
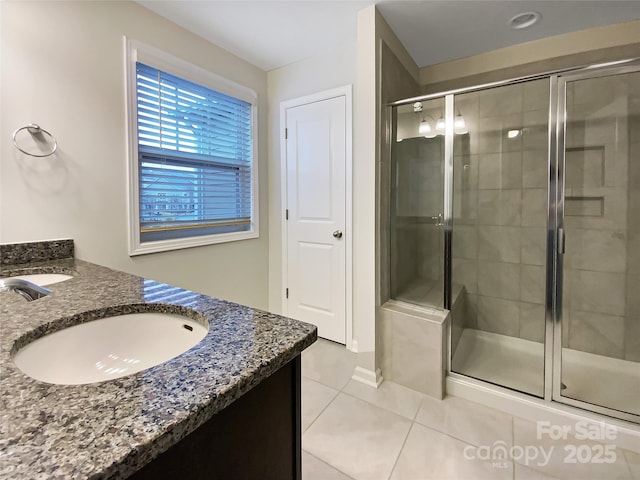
337 234
561 241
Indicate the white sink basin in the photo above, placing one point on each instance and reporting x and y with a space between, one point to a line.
42 279
108 348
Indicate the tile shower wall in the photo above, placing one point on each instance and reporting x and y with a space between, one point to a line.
500 209
418 193
632 318
601 219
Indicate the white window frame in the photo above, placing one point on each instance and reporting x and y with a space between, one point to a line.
138 52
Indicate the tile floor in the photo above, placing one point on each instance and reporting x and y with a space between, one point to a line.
352 431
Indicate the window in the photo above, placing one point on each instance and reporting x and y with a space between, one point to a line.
192 163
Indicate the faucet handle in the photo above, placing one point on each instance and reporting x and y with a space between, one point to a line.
439 221
28 290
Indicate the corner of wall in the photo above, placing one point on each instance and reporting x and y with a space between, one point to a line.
388 36
374 37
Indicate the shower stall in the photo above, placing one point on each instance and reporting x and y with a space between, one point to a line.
516 206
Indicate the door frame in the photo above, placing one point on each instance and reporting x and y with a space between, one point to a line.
346 92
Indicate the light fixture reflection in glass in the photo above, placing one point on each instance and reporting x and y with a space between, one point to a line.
459 125
513 133
425 129
440 125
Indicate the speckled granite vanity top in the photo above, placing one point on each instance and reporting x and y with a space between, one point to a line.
111 429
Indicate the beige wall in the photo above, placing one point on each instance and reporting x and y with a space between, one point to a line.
313 75
63 68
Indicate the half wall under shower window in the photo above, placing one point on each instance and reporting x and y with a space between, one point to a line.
416 201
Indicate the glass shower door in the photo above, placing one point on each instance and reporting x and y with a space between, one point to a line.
500 198
597 342
416 205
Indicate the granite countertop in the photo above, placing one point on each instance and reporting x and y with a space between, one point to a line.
109 430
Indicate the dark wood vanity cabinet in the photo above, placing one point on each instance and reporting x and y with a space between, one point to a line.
256 437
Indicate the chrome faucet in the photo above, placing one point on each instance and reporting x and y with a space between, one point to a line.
28 290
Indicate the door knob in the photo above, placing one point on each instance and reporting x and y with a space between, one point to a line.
337 234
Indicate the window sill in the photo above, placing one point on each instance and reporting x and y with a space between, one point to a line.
190 242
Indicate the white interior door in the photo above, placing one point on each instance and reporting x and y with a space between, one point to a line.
316 253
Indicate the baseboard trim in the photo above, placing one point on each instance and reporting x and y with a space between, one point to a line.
368 377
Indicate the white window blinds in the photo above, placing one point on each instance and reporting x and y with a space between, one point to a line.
194 158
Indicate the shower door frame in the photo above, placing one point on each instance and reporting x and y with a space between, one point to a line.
557 150
555 220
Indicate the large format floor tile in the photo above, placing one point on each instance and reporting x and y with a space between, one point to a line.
357 438
328 363
526 473
633 459
429 454
354 431
571 457
315 469
467 421
389 395
315 398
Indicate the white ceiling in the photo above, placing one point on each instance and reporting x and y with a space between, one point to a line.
271 34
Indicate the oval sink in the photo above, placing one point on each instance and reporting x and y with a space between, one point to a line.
42 279
108 348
